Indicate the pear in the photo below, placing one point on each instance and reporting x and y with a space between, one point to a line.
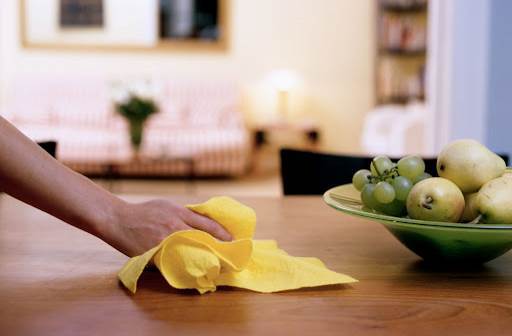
435 199
470 208
469 164
494 201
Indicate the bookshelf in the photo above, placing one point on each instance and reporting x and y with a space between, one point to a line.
401 51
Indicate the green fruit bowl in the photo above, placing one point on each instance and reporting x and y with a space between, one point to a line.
459 243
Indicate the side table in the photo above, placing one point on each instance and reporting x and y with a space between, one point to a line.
268 138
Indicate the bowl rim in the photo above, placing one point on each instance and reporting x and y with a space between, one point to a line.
403 220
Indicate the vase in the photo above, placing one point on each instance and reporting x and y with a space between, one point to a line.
136 133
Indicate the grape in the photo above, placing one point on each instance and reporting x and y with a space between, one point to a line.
367 196
402 187
361 178
384 193
411 166
395 208
421 177
381 165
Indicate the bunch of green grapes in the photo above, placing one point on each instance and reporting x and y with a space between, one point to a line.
386 185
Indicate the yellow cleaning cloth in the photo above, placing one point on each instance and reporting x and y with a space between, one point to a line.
195 259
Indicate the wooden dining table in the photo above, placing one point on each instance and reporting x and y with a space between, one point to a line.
57 280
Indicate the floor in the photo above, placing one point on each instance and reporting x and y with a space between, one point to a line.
268 184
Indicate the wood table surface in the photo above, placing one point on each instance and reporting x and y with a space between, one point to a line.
57 280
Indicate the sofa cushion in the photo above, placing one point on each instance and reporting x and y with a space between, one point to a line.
84 144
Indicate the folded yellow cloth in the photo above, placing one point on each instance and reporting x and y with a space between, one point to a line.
195 259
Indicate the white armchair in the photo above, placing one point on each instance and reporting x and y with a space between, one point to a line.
395 130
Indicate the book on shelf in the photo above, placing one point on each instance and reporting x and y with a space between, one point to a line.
402 33
403 5
398 82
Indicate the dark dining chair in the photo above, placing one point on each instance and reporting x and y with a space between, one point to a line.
312 173
49 146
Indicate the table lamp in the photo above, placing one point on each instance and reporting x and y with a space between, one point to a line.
283 81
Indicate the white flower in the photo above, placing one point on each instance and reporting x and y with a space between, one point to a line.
119 93
143 89
122 91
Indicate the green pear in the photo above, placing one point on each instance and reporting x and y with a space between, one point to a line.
469 164
494 201
470 208
435 199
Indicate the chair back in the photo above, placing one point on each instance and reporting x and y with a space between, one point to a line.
50 147
312 173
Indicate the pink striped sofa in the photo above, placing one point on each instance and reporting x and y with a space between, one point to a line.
199 127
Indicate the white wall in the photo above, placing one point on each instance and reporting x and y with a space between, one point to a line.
473 73
458 67
499 97
330 43
470 63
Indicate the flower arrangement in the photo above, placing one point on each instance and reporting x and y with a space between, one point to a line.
135 102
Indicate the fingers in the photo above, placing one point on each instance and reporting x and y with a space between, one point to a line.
206 224
177 225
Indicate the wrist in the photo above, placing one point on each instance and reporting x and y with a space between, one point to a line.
106 222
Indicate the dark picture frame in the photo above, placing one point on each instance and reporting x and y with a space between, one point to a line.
81 14
189 20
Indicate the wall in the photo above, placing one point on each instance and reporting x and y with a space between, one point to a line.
478 73
330 43
499 98
470 63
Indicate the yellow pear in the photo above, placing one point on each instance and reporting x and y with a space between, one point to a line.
494 201
435 199
469 164
470 209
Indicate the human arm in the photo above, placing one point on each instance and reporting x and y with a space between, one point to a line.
31 175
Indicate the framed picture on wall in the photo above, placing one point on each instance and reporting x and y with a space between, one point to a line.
189 20
126 25
81 13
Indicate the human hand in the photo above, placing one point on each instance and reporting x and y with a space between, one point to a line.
140 227
34 177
